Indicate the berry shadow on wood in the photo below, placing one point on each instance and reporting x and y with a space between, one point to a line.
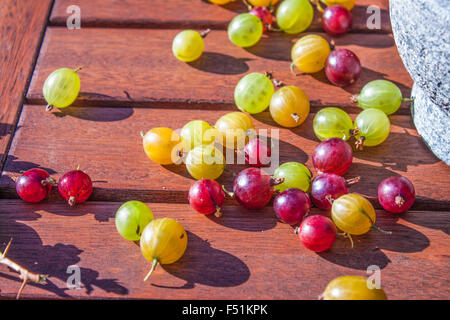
368 248
17 166
234 6
240 218
53 260
376 42
95 114
274 46
219 63
366 76
5 129
431 219
399 161
205 265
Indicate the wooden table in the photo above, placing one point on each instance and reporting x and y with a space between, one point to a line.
132 82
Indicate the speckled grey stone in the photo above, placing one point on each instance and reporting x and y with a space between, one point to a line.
421 31
432 123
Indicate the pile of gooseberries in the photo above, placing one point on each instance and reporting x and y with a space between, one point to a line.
164 240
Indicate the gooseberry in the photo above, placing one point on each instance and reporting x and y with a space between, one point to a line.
75 187
294 16
253 93
262 3
332 123
163 241
196 133
291 206
206 196
257 153
380 94
396 194
309 54
332 155
289 106
220 1
131 219
61 88
372 127
337 20
205 162
317 233
343 67
353 214
264 15
327 187
245 30
236 128
351 288
162 145
347 4
188 45
34 185
294 175
253 188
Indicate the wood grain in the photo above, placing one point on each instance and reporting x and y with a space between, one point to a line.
242 255
136 67
105 142
187 14
21 28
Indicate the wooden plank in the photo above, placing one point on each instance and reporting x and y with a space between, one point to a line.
187 14
135 67
242 255
105 142
21 31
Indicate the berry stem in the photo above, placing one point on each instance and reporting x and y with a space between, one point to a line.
373 223
204 33
276 181
317 4
348 236
249 6
408 99
72 200
78 69
276 82
329 199
24 274
48 107
231 194
353 180
332 44
354 98
154 264
296 117
360 143
399 200
218 213
48 181
354 132
292 69
381 230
